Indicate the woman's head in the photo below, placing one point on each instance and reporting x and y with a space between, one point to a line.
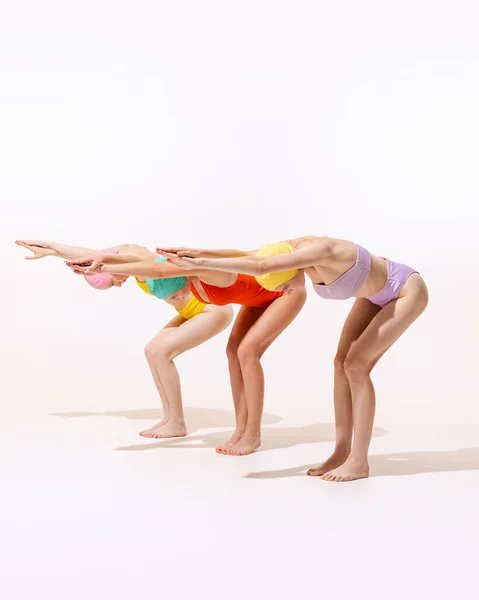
104 281
273 281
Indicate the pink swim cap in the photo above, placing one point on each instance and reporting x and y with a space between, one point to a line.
101 281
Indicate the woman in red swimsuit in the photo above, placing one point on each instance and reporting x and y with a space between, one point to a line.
263 316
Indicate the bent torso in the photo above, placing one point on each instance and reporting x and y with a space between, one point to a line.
245 291
339 257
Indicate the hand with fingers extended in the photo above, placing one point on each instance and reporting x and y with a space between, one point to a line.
87 266
180 261
180 251
40 249
80 270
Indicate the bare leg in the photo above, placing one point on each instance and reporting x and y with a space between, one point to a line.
267 328
247 317
361 314
184 337
385 329
150 350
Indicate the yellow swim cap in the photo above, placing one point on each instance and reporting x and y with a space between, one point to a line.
271 281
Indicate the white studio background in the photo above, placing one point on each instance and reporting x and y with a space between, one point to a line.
219 124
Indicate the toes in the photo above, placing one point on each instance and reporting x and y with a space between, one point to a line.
245 452
237 452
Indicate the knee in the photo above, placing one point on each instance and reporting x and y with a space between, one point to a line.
248 354
232 351
155 351
355 366
150 350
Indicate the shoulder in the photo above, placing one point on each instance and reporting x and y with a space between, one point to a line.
325 243
133 248
126 248
307 240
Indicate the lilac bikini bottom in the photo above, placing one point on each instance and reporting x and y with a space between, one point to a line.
397 276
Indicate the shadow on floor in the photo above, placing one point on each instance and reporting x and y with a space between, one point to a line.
196 418
399 464
273 438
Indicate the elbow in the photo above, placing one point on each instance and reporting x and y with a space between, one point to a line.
262 267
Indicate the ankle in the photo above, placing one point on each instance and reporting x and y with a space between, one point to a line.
342 449
358 458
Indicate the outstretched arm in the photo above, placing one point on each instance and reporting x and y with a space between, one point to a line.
202 253
256 265
76 254
41 248
144 269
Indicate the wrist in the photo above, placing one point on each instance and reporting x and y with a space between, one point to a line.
103 258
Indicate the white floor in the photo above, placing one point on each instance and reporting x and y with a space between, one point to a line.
90 510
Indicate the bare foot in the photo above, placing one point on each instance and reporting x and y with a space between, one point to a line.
349 471
246 445
165 430
334 461
157 426
224 448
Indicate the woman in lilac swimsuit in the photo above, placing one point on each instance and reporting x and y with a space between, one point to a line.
389 298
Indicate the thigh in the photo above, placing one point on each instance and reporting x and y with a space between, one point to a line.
390 323
275 319
195 331
246 318
165 332
173 324
361 314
